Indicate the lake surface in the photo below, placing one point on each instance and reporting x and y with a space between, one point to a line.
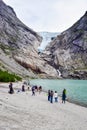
76 89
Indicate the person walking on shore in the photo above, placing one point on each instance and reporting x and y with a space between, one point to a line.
56 96
51 96
64 96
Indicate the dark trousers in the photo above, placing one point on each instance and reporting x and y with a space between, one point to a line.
56 99
48 98
51 99
33 93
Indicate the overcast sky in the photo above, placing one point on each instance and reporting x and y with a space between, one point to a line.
48 15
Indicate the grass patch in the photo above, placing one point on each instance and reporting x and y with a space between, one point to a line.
5 76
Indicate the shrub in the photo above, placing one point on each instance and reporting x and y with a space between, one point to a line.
7 77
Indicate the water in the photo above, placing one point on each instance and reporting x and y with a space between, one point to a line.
76 89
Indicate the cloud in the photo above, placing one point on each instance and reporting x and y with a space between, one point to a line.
49 15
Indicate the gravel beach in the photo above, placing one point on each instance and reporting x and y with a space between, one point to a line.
22 111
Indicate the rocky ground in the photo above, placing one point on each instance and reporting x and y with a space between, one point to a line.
21 111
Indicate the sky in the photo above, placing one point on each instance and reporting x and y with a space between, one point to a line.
48 15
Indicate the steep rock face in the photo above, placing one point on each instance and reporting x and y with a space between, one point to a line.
18 47
68 51
13 32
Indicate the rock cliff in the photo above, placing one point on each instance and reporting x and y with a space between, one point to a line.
18 47
68 51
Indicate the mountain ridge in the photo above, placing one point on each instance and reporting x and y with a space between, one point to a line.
68 51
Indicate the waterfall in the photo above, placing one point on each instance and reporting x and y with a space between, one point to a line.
59 73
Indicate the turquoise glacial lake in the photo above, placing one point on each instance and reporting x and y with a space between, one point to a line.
76 89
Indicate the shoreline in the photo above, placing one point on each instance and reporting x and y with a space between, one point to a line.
77 99
45 91
71 101
77 103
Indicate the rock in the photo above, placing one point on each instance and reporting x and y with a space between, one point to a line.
79 74
19 47
68 51
15 38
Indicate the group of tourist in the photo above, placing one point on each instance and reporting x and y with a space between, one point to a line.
54 95
36 89
51 95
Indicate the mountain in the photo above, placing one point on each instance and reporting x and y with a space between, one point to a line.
65 56
19 47
68 51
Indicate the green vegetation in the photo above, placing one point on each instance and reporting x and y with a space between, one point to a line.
13 38
85 39
7 77
80 31
6 49
81 69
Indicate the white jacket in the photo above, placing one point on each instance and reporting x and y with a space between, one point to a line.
55 95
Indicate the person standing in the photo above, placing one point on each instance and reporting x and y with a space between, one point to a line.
23 88
51 96
64 96
40 89
11 90
33 91
56 96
